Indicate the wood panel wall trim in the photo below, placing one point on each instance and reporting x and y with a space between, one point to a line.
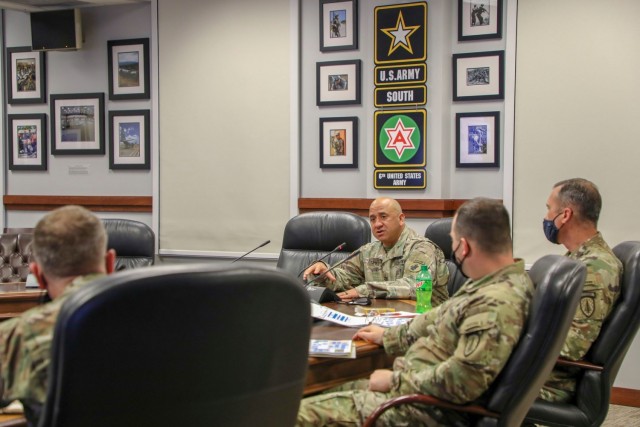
94 203
413 208
625 397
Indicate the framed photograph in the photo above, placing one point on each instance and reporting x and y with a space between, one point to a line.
27 140
478 140
26 80
129 141
128 69
338 25
479 19
338 82
478 76
77 123
339 142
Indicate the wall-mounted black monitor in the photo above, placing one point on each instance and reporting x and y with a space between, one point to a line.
56 30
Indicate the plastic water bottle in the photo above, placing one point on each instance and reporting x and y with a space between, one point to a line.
424 285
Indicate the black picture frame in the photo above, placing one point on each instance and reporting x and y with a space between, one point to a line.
478 76
338 82
338 143
478 140
128 129
479 20
27 142
77 124
338 25
26 76
129 69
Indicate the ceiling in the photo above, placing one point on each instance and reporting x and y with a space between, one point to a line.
42 5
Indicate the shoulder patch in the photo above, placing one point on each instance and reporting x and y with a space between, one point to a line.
588 305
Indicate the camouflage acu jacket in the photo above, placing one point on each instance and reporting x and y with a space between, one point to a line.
382 273
600 292
25 347
455 351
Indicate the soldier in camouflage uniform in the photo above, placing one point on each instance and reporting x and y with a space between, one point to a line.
453 352
387 268
575 205
69 248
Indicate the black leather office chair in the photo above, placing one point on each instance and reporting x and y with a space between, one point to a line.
180 346
133 241
438 232
310 236
602 362
559 283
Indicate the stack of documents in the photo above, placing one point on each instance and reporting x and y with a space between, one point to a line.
332 348
386 321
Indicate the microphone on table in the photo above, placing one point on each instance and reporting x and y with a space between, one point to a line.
321 294
337 248
247 253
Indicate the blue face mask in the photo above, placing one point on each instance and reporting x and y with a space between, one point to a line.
550 229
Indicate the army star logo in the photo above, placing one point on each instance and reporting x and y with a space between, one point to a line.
399 138
400 35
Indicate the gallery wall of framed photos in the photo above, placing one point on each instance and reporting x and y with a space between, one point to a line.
465 33
69 132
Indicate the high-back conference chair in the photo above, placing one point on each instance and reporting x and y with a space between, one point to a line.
133 241
438 232
310 236
180 346
601 364
558 281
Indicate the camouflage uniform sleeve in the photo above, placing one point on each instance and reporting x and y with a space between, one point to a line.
348 275
595 304
486 339
7 345
398 339
25 351
421 252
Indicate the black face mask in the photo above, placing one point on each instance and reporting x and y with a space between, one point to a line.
458 264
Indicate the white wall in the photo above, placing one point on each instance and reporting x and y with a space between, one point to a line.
577 110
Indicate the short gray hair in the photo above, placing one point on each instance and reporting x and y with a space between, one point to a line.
69 241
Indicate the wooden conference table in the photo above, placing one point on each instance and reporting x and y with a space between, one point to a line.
327 372
323 373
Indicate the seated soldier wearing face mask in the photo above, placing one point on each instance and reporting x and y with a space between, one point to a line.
573 209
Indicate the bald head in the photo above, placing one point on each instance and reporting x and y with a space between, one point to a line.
390 204
387 220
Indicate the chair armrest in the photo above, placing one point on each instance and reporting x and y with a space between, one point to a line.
582 364
426 400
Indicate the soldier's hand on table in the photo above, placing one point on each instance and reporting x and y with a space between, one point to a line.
371 333
380 380
317 269
348 295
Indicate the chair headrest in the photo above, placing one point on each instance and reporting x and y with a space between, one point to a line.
438 232
323 231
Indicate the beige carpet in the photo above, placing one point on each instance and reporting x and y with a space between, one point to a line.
622 416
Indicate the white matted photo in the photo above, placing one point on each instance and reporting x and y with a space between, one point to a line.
128 69
339 142
478 140
478 76
338 82
129 140
338 25
77 123
26 76
27 140
479 19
